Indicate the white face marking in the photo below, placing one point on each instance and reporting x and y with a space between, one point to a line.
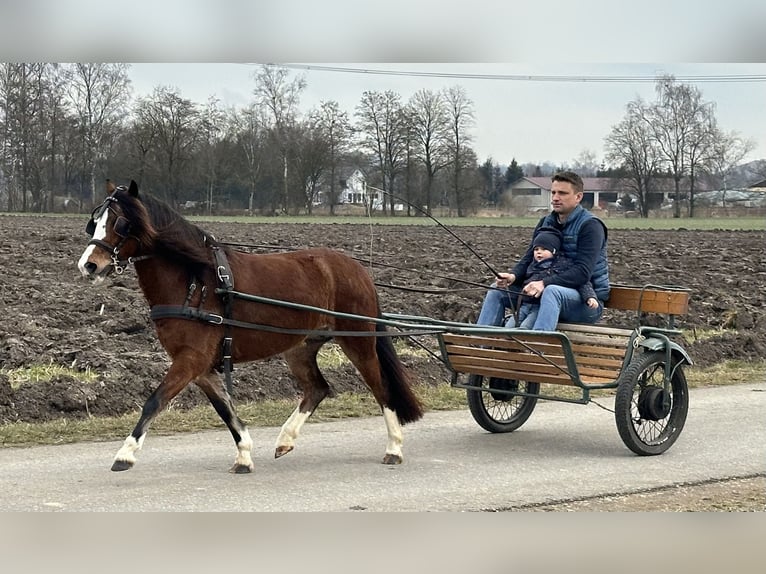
99 233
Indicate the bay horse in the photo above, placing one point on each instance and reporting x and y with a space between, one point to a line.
180 270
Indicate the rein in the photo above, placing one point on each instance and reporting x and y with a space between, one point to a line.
475 285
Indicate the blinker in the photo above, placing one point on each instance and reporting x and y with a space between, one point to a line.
121 226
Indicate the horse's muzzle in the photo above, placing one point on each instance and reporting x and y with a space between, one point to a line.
91 271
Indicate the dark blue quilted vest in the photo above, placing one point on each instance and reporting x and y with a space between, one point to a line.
600 276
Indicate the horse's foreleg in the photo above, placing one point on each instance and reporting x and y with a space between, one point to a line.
303 365
213 388
178 376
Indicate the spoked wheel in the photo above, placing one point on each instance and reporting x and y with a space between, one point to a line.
498 412
649 418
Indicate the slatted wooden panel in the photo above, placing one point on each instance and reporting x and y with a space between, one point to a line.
651 300
539 358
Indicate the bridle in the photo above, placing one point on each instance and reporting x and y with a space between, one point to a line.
121 228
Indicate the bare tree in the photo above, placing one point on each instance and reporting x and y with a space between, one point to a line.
586 164
383 129
250 133
312 158
280 97
336 129
728 151
56 118
701 148
24 138
461 158
631 145
676 121
174 123
211 134
99 94
430 125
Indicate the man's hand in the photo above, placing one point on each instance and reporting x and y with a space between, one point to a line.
505 279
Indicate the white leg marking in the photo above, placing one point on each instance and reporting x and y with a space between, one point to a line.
394 444
129 448
244 446
291 429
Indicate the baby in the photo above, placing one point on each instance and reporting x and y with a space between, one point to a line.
547 261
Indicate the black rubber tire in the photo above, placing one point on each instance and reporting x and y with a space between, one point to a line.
498 415
644 436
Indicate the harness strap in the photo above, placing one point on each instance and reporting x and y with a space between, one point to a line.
181 312
223 271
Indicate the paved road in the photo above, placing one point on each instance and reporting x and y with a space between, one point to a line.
564 451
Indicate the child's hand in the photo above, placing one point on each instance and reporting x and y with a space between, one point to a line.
592 303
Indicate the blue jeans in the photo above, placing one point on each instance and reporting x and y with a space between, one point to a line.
527 316
496 301
556 304
564 304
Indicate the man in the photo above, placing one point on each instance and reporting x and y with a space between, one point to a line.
584 242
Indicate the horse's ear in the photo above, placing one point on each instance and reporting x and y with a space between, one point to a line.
133 189
110 186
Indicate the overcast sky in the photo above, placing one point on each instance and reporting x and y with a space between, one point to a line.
532 121
535 117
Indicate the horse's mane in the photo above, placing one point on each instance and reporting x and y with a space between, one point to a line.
164 232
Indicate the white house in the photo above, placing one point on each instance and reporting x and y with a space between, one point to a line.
353 188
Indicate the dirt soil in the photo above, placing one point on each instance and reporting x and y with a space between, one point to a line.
51 315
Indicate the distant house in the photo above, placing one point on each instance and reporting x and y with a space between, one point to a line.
535 192
351 187
759 186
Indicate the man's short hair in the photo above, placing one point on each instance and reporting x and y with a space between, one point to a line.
571 177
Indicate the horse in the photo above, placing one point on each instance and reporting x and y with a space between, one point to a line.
197 290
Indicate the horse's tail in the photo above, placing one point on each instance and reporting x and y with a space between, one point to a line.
401 397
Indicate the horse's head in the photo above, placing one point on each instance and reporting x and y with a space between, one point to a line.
120 230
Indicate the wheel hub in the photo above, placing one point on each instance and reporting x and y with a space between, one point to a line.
654 403
503 385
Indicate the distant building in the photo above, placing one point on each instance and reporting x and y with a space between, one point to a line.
351 187
534 193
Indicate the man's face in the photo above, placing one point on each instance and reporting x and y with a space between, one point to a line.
563 197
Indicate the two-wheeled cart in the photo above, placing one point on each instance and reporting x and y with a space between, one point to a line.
506 371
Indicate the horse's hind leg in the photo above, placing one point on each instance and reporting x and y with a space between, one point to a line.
389 382
303 365
213 388
181 372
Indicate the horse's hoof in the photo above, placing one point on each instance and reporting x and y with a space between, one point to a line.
282 451
241 469
392 459
120 465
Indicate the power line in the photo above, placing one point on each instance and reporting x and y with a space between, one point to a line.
713 78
